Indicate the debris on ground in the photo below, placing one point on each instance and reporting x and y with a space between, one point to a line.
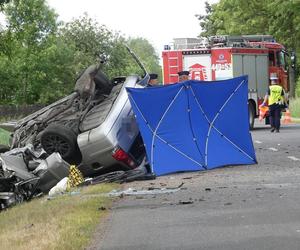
60 187
26 173
131 191
121 176
185 202
187 178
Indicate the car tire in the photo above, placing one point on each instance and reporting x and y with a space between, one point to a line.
251 115
58 138
4 148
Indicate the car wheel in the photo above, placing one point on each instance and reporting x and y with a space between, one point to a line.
251 115
58 138
4 148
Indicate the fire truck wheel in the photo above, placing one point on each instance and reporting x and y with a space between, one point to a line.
251 115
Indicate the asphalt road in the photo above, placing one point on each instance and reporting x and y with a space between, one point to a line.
234 208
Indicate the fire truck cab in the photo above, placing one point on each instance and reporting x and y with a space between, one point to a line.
224 57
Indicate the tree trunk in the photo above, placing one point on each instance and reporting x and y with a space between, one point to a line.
292 82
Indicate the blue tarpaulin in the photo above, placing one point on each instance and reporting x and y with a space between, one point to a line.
194 125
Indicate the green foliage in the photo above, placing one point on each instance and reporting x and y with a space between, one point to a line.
295 107
246 17
285 22
30 22
54 72
3 2
146 52
94 41
88 38
40 58
298 88
30 26
4 137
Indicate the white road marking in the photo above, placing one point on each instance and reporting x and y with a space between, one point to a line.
293 158
273 149
258 142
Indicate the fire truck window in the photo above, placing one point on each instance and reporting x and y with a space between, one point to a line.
271 58
280 58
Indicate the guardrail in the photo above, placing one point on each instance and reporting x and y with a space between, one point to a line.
12 111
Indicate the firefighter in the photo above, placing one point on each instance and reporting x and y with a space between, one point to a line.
153 80
275 98
183 75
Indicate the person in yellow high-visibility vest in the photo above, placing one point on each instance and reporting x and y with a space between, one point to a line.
276 99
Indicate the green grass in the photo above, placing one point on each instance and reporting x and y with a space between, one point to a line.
295 107
65 222
4 137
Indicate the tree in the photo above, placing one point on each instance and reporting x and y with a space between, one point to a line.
89 38
235 17
208 25
240 17
30 24
93 41
2 2
40 58
285 22
147 54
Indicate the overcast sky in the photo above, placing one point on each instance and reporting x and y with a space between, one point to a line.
159 21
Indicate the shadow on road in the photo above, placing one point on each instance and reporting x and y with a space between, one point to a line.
283 127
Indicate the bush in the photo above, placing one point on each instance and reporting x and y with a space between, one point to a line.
295 107
4 137
297 94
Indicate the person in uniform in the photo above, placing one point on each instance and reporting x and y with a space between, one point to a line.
276 99
149 175
183 75
153 80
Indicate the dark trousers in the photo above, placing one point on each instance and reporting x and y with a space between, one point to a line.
275 111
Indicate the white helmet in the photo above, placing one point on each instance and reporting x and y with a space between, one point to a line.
273 76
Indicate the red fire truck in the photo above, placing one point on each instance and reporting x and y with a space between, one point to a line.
224 57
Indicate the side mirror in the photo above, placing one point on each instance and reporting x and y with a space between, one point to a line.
293 59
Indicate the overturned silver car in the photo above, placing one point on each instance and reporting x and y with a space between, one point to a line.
93 127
